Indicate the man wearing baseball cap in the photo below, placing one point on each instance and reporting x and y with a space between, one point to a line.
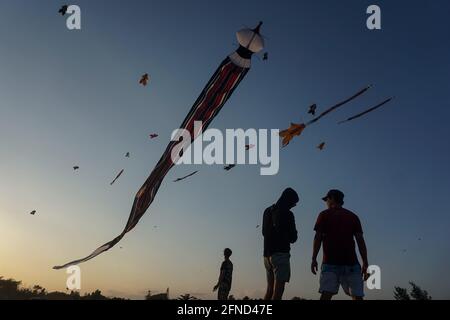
337 228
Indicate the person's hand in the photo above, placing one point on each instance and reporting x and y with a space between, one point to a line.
364 268
215 287
314 266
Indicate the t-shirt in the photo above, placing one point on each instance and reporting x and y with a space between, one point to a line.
227 270
338 227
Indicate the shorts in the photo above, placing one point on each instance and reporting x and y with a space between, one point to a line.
349 277
278 267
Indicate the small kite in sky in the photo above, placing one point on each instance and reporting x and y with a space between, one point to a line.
266 56
63 10
144 79
117 177
153 135
33 212
229 167
367 111
297 129
294 130
249 146
127 155
312 109
321 146
257 226
76 167
185 177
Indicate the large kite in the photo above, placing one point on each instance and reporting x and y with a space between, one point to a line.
213 97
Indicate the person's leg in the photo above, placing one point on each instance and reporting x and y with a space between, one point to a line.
223 292
353 283
326 296
278 290
270 279
329 282
282 272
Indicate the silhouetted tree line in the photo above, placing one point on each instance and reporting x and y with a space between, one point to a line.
416 293
11 289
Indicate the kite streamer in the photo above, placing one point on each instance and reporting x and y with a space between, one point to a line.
213 97
297 129
367 111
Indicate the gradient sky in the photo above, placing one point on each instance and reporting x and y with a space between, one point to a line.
72 98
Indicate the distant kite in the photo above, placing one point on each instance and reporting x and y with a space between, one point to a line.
312 109
153 135
63 10
185 177
127 155
265 56
367 111
297 129
76 167
249 146
321 146
33 212
117 177
144 79
229 167
213 97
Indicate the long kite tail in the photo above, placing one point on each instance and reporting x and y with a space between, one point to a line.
367 111
338 105
218 90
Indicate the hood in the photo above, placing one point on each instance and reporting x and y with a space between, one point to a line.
288 198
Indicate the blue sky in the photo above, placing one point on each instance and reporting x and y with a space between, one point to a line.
71 98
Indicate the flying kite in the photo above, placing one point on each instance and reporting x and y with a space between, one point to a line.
266 56
367 111
249 146
33 212
76 167
218 90
144 79
229 167
321 146
117 177
185 177
312 109
63 10
297 129
153 135
127 155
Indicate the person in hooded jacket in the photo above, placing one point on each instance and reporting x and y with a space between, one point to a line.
279 232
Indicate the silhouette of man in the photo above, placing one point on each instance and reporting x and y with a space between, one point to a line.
279 232
337 228
225 278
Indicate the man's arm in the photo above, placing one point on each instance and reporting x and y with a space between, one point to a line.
316 248
293 234
222 272
363 252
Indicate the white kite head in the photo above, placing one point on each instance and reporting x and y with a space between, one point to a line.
251 39
250 42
